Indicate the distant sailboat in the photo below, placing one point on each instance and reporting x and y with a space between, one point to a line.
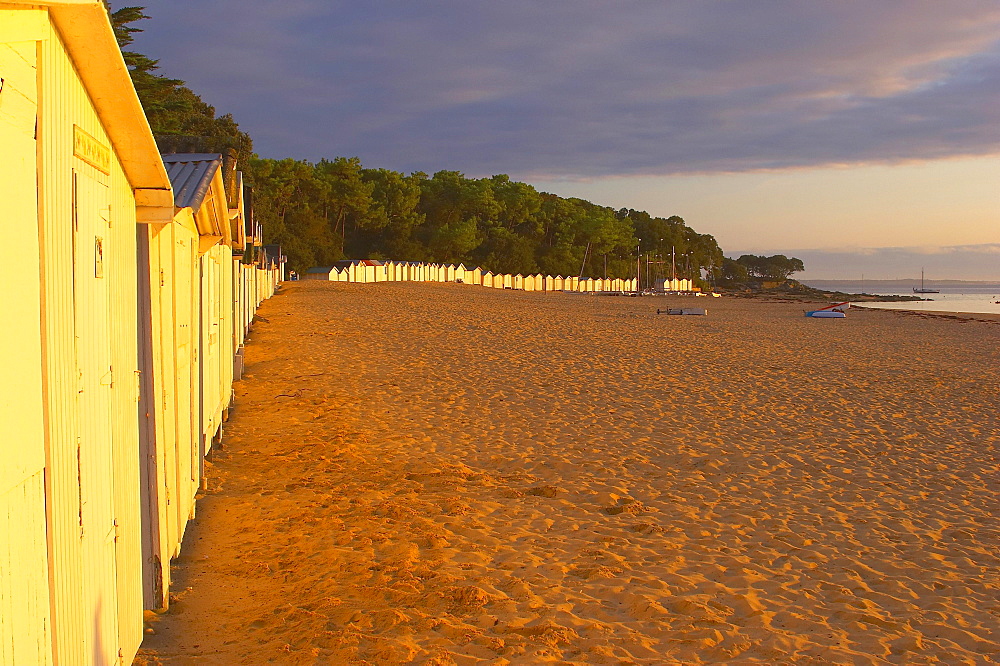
922 289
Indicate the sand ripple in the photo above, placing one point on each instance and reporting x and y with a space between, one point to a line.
439 474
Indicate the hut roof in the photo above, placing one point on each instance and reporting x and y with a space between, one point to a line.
347 263
85 28
191 176
320 269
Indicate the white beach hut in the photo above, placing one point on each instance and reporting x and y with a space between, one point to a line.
320 273
475 275
79 170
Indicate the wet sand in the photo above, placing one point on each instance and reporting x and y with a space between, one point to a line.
445 474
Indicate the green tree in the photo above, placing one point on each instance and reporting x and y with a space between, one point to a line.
519 205
179 118
387 229
311 241
562 244
281 189
452 242
505 251
347 197
734 272
457 211
777 267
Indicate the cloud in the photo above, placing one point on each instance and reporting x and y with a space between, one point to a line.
956 262
987 248
584 88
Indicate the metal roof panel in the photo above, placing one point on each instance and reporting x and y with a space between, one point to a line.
191 176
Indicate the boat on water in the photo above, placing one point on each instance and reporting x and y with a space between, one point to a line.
922 289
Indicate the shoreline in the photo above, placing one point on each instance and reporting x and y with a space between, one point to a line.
984 317
869 301
446 474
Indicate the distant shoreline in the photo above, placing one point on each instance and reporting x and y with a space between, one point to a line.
907 282
949 295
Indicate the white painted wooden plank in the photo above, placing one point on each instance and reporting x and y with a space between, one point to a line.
18 25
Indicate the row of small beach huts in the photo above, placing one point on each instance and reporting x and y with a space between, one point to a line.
131 280
371 270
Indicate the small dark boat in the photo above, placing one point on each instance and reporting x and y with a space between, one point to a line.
923 290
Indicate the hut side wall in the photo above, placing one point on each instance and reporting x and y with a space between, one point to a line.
121 267
237 305
215 358
186 391
119 354
88 246
24 596
156 406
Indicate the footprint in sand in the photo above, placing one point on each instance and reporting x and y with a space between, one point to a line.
543 491
626 505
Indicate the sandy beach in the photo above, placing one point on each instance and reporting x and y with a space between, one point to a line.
447 474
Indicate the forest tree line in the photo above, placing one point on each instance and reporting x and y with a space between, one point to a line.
338 208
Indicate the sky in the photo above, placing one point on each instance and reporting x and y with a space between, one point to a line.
865 136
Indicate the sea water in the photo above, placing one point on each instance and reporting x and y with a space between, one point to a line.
975 297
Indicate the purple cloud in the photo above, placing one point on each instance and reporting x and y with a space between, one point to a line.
957 262
580 88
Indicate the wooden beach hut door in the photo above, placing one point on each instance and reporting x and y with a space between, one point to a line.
91 310
186 357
